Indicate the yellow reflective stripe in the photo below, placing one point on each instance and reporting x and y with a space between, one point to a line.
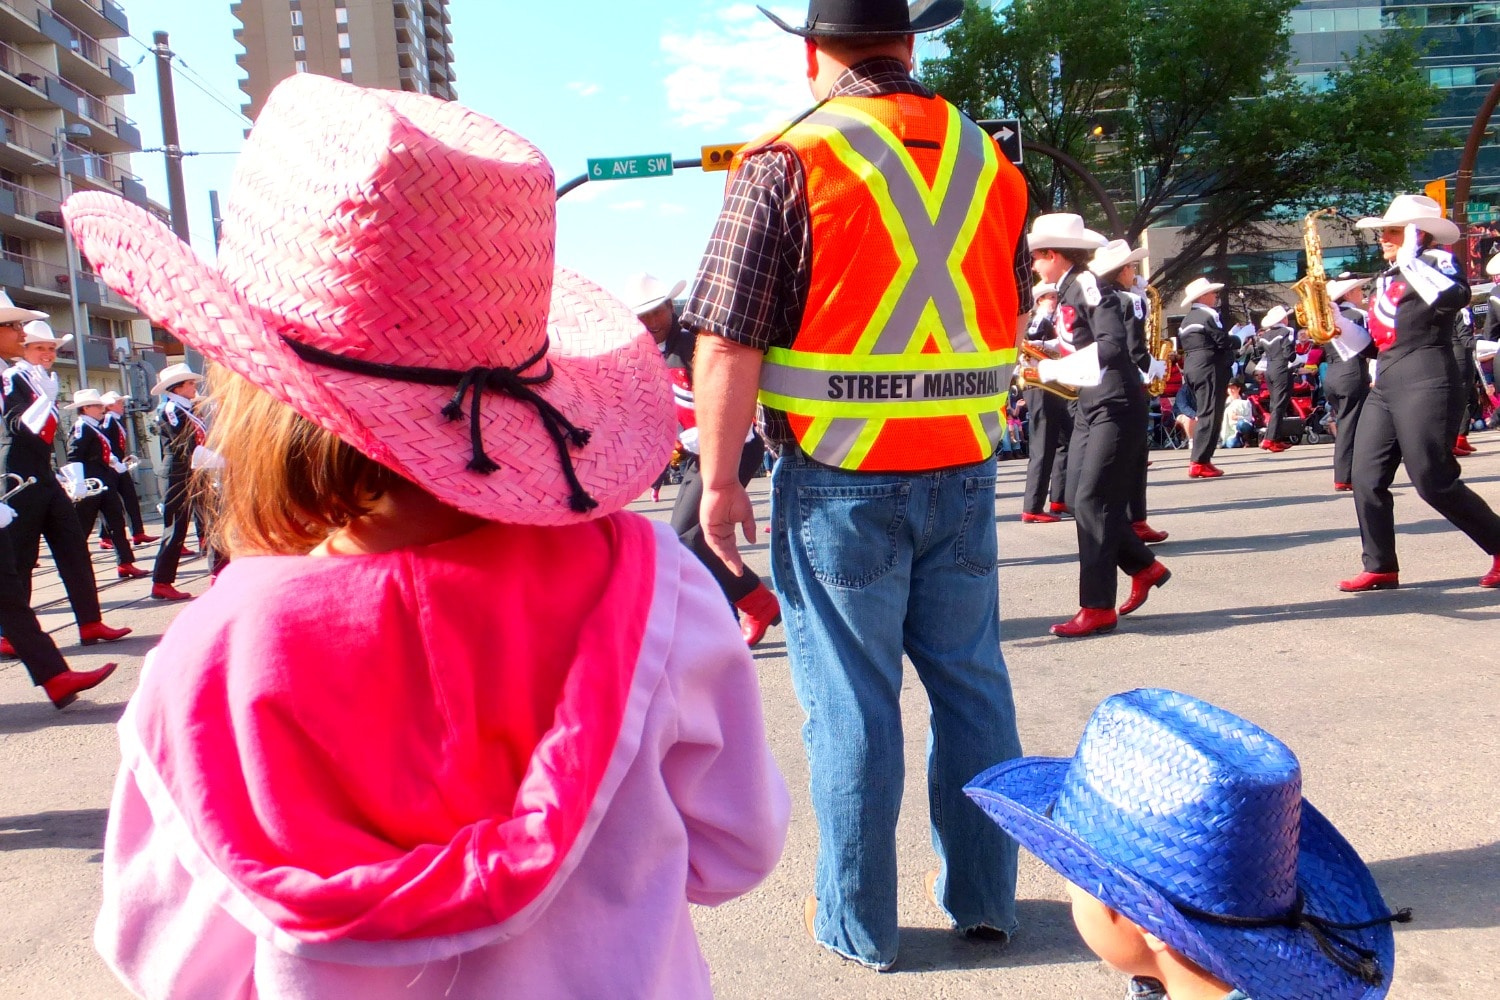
876 363
884 408
970 231
868 434
813 437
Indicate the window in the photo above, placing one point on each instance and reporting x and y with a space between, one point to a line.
296 19
341 16
1449 77
346 65
344 40
299 43
301 66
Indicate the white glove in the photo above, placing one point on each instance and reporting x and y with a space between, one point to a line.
118 466
206 458
132 463
1410 247
1157 370
7 515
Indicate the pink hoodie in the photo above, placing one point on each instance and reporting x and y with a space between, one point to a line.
503 764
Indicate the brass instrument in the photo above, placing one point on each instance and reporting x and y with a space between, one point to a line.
1156 339
1314 307
21 484
1027 375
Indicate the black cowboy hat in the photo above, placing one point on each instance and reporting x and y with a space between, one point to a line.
834 18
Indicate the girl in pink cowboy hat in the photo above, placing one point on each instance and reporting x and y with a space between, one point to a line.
451 724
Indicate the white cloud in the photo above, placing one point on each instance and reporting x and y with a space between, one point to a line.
584 89
737 71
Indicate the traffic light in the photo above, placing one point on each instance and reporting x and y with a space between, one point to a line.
721 156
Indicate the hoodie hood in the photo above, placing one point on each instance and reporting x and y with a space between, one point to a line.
404 745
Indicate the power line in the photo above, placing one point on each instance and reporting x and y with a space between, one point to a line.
192 77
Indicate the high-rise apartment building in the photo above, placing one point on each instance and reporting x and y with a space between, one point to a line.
391 44
1461 55
62 112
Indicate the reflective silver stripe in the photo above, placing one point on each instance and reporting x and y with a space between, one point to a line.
932 243
915 385
994 426
842 435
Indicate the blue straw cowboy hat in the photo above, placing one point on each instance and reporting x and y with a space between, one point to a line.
1190 821
835 18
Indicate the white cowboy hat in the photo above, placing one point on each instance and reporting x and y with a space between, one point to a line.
111 398
86 397
12 313
644 292
1043 288
1343 286
1275 316
38 331
1063 231
1114 255
174 375
1197 288
1493 267
1415 210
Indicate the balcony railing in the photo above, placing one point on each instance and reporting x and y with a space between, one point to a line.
23 68
19 132
33 204
40 273
87 163
97 109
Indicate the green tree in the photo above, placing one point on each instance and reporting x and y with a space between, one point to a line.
1189 103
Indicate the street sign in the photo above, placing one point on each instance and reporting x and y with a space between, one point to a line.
622 168
719 157
1007 132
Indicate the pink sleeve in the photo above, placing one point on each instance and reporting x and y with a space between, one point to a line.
160 931
720 772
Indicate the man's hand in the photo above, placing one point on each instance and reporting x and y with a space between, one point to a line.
719 512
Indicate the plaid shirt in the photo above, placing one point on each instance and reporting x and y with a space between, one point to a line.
753 282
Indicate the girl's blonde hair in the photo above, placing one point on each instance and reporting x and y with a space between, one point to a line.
286 484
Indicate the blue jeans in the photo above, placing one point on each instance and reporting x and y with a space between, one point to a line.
868 565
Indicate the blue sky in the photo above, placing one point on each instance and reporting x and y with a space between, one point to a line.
612 79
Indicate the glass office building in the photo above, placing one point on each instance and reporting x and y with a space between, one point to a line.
1461 43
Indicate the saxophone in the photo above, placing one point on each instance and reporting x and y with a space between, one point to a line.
1156 339
1027 377
1314 307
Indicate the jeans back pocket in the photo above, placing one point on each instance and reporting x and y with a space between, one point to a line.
978 548
850 533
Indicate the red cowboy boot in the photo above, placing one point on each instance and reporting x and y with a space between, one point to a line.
106 545
1492 578
65 687
1203 470
1370 581
1027 517
6 649
1141 583
1088 621
130 571
1059 508
99 632
1343 487
143 539
1146 533
167 592
1462 447
759 610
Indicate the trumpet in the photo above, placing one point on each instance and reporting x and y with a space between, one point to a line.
21 484
81 489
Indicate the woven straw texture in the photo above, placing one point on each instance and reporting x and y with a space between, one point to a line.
1170 798
400 229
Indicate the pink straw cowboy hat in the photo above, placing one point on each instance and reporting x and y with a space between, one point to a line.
387 271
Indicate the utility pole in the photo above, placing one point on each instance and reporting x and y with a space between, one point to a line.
172 150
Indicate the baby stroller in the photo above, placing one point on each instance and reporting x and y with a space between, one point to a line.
1306 420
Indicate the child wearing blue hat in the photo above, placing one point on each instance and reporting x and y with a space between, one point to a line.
1194 860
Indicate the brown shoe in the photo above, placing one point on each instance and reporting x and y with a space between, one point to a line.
810 916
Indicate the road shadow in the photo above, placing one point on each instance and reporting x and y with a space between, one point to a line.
1046 937
1457 599
33 716
1445 890
70 828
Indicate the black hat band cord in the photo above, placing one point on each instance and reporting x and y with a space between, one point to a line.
472 383
1357 961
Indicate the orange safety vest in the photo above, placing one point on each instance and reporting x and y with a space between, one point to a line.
908 339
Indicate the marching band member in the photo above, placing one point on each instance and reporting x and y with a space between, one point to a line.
1278 362
1410 414
1492 321
24 637
1207 350
1468 379
1049 425
90 447
754 602
1109 436
45 510
113 425
1115 264
1346 383
182 432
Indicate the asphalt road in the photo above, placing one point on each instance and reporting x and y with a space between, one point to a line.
1392 701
